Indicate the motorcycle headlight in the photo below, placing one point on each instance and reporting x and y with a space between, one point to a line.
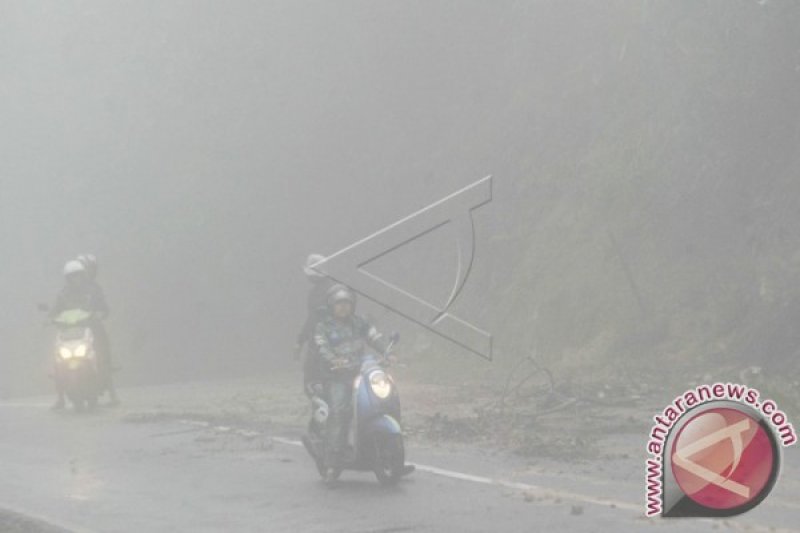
65 352
81 350
380 384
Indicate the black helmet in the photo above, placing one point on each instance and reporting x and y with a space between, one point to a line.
89 262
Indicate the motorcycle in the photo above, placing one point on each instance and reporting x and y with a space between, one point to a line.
76 370
375 438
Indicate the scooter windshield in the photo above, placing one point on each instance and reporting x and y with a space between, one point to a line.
72 317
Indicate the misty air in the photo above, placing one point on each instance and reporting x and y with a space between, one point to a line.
443 266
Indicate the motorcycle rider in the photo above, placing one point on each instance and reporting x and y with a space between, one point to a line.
80 292
340 340
316 304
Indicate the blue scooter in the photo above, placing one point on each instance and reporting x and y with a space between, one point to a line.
375 438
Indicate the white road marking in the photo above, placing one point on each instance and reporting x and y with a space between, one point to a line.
536 490
290 442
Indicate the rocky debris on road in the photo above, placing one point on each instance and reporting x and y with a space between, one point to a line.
528 411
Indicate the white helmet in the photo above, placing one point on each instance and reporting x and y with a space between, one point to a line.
312 260
73 267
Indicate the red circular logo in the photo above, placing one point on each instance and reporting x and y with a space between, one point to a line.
723 458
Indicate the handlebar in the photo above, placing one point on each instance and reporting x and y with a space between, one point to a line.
383 359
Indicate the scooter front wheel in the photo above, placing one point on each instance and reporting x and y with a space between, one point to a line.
390 459
77 402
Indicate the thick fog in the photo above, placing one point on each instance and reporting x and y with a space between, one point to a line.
641 240
202 150
644 157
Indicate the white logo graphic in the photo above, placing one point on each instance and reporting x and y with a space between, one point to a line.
347 265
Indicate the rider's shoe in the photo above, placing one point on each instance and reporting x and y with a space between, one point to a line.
408 469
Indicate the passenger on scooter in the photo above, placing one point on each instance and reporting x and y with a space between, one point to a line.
341 340
316 311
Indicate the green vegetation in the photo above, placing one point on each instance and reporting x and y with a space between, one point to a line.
670 234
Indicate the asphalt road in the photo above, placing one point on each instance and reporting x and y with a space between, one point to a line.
102 473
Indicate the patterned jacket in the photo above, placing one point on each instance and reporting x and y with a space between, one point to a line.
346 339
